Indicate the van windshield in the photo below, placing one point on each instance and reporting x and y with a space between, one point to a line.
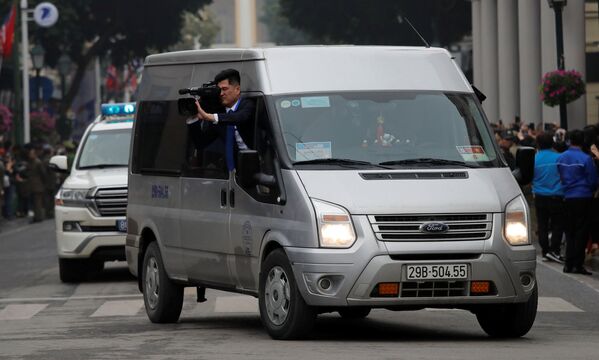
385 129
107 148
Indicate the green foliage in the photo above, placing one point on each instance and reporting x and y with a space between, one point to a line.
125 29
561 85
376 22
278 25
199 28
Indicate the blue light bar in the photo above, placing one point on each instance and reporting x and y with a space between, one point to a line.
120 109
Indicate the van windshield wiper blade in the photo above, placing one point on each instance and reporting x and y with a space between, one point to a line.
429 161
102 166
337 161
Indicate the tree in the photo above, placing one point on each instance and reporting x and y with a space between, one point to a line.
378 22
278 25
119 29
198 31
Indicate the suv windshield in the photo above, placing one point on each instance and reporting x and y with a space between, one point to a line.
107 148
390 129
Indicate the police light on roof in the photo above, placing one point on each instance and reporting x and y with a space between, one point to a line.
118 109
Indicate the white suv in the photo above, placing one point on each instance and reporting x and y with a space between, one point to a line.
90 207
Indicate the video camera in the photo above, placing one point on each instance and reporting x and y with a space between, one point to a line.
208 95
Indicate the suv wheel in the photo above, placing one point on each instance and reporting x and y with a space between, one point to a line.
511 320
163 298
283 311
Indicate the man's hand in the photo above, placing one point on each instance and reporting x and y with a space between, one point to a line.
202 115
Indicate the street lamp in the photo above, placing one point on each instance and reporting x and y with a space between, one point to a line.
64 68
37 57
558 6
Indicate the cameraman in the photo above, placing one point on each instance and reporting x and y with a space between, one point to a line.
237 117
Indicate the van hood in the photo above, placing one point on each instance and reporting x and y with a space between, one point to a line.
87 179
480 190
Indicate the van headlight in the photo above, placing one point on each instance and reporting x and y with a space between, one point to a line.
335 228
516 222
73 197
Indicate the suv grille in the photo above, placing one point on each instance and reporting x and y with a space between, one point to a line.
408 227
111 201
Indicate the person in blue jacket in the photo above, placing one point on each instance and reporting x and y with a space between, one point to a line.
549 198
579 180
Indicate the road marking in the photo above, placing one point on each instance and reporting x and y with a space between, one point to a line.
21 311
556 304
236 304
119 308
91 297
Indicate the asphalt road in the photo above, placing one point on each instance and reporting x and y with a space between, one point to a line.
104 318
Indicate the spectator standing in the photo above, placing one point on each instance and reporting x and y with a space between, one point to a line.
50 182
36 182
579 180
548 198
506 143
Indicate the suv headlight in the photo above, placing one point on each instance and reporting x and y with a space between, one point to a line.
335 228
73 197
516 222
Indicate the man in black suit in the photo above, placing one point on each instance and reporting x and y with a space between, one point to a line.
236 120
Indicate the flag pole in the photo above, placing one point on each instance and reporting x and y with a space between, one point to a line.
25 64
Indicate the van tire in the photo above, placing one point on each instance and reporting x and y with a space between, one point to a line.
163 299
509 320
278 283
76 270
354 312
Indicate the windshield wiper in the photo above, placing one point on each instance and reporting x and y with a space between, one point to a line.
102 166
336 161
428 161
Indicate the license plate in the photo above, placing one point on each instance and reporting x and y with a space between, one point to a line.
436 272
121 225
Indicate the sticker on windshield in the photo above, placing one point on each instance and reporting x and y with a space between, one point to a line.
472 153
295 103
285 104
315 102
313 150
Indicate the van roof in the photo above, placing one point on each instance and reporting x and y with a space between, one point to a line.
295 69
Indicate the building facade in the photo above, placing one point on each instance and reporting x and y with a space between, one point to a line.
514 44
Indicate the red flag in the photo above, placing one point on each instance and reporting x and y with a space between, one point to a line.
8 32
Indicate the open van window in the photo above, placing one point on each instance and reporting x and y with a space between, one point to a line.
386 128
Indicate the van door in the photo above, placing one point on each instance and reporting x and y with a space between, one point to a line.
204 206
253 208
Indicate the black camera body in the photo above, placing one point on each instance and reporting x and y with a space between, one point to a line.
208 95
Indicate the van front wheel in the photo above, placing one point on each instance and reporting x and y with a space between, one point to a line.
163 299
510 320
283 311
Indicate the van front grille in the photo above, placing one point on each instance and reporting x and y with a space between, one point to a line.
413 227
430 289
111 201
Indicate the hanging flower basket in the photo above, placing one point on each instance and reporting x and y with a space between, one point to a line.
561 85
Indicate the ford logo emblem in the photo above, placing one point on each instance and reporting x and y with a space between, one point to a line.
434 227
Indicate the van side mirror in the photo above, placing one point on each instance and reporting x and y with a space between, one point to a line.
248 170
479 94
525 165
58 163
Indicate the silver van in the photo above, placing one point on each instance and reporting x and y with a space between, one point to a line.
372 180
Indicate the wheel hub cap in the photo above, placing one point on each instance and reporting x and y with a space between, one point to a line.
152 283
277 295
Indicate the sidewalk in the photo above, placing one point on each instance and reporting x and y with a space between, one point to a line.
7 225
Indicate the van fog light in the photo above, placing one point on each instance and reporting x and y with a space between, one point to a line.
527 281
324 283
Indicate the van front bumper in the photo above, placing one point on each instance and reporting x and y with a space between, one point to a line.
353 274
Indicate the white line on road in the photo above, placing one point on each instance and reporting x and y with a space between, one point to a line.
119 308
21 311
236 304
91 297
556 304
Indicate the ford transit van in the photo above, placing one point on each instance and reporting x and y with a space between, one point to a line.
372 180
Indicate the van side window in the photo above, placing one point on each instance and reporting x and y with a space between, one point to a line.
159 134
205 155
264 144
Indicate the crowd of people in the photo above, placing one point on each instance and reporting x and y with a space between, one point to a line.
564 187
28 183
